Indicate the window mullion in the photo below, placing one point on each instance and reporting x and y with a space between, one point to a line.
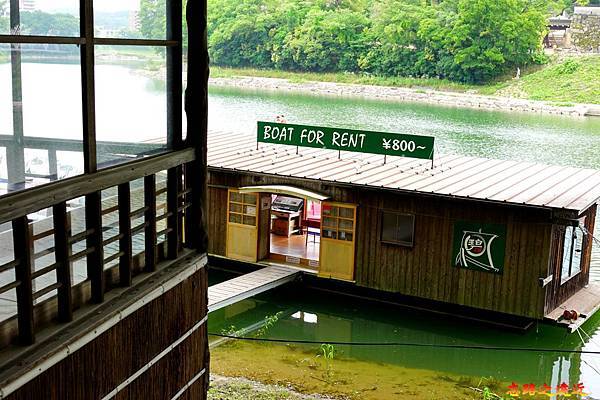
174 75
87 86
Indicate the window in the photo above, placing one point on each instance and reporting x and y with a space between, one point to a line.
52 55
397 228
242 208
338 222
572 252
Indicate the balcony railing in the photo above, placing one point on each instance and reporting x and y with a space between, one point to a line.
106 226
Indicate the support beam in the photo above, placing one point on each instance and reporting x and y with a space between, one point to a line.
173 221
196 108
150 232
86 13
23 251
62 232
125 245
95 259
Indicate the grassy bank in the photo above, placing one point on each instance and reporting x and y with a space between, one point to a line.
568 81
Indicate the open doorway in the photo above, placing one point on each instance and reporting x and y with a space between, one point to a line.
295 230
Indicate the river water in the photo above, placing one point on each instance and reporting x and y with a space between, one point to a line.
131 107
304 315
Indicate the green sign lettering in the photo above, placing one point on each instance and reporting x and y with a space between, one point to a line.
479 246
391 144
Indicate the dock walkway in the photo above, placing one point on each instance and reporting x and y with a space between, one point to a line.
248 285
586 302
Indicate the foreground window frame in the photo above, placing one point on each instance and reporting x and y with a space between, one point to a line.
87 42
183 161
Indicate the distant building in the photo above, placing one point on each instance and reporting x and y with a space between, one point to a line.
585 28
134 20
558 31
27 5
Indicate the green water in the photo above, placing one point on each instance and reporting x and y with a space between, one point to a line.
501 135
323 317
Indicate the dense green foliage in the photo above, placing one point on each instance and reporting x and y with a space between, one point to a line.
42 23
460 40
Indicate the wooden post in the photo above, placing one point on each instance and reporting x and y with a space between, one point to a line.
173 236
126 260
62 232
52 164
95 259
196 107
23 251
150 219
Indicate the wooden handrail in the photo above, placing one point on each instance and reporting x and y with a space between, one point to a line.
19 204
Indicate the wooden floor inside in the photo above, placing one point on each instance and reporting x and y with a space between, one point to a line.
296 246
586 302
248 285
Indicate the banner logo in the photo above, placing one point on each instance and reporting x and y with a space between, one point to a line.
479 246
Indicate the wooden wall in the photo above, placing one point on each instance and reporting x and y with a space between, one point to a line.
557 293
97 368
425 270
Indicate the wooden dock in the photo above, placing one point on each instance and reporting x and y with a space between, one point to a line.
248 285
586 302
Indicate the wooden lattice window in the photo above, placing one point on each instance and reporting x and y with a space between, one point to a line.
338 222
243 208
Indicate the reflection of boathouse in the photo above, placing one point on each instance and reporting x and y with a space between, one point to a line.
524 230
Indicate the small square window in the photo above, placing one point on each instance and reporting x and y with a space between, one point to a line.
397 228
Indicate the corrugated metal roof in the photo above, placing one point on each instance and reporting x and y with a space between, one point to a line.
516 182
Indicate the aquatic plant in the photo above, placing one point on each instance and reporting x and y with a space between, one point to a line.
328 353
269 321
231 330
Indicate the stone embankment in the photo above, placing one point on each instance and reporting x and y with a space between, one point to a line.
451 99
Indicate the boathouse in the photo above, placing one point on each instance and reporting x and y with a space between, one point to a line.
498 236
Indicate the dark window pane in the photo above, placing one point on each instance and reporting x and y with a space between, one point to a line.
388 227
405 228
397 228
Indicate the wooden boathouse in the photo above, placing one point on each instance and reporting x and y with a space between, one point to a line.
486 235
103 278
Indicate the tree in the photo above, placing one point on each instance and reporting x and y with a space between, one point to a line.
4 20
490 36
153 20
42 23
329 40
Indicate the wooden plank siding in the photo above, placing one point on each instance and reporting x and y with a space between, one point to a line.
127 347
557 293
426 270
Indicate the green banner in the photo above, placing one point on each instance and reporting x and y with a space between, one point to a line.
391 144
479 247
